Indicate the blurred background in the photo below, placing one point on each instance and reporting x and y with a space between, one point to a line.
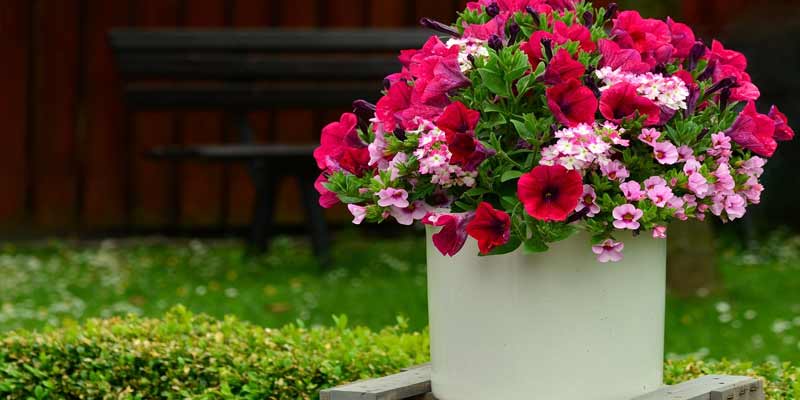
74 175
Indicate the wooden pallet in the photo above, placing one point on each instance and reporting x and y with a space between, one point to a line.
415 384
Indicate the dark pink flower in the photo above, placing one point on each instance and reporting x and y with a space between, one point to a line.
621 102
451 238
650 37
390 107
533 47
458 123
563 68
437 72
727 57
550 193
754 131
576 33
572 103
783 131
683 38
341 148
626 60
327 199
495 27
490 227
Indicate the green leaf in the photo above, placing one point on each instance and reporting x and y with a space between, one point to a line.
510 175
535 245
494 82
512 245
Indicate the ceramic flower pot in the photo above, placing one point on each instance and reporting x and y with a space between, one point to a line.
556 325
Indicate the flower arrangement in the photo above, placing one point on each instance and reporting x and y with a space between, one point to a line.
532 119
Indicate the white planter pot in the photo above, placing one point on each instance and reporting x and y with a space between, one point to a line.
552 326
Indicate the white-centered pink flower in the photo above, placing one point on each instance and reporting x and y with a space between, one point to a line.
691 166
414 212
359 213
660 195
627 216
665 152
649 136
633 191
670 92
588 201
393 197
608 251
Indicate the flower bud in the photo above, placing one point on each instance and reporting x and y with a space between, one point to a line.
723 84
724 98
513 33
708 72
439 27
495 43
611 10
387 83
588 19
400 134
548 48
697 52
533 13
493 10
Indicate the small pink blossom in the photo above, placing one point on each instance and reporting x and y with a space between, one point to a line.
752 190
632 191
660 232
393 197
685 153
414 212
358 212
735 206
399 159
691 167
608 250
724 180
588 200
377 149
720 147
660 195
615 171
665 152
649 136
654 181
698 184
753 167
627 216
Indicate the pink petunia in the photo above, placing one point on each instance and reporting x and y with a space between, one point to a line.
359 213
588 201
698 184
407 215
608 250
665 152
633 191
614 171
685 153
627 216
393 197
735 206
654 181
649 136
451 238
660 195
660 232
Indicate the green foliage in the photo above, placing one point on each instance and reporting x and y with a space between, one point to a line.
190 356
195 356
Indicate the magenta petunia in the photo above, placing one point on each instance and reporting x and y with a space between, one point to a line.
783 131
550 193
451 238
572 103
490 227
563 68
621 102
627 216
754 131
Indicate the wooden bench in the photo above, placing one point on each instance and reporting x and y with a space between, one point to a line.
415 384
243 71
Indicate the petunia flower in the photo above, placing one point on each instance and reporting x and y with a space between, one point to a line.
608 250
633 191
754 131
358 212
652 38
735 206
393 197
490 227
660 232
698 184
588 201
451 238
627 216
341 148
327 199
550 193
615 171
622 101
665 153
660 195
783 131
407 216
562 68
649 136
572 103
654 181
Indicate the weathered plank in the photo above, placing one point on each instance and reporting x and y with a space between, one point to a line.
414 384
405 385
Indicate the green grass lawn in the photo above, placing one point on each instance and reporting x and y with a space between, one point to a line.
756 316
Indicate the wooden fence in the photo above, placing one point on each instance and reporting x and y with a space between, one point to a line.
71 156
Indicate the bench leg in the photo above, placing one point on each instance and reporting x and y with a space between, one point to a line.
263 209
315 216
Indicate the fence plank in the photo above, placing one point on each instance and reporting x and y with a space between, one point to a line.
56 97
104 199
154 185
201 189
15 41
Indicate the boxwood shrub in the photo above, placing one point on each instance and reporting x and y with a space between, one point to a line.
194 356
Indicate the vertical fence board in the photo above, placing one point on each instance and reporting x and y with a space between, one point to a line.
294 126
201 189
56 98
247 14
154 184
15 41
104 190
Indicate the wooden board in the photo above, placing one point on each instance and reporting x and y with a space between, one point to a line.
414 384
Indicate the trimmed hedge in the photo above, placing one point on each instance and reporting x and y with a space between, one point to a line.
194 356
